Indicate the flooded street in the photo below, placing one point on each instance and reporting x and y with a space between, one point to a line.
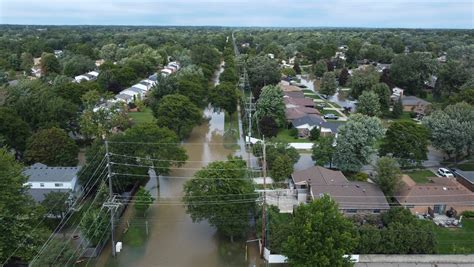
173 239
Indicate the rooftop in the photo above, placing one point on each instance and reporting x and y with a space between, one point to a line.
39 172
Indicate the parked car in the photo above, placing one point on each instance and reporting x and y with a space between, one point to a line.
331 116
445 172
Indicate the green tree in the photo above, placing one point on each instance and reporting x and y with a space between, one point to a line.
388 176
279 228
383 92
451 77
226 183
262 71
108 52
407 142
177 113
49 64
319 69
314 134
368 104
355 142
52 147
225 96
323 151
268 126
94 224
77 64
21 228
27 61
397 110
13 129
270 104
143 200
411 71
102 122
57 203
289 72
363 79
343 77
328 84
282 168
452 129
59 253
320 235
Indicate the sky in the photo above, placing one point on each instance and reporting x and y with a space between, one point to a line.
265 13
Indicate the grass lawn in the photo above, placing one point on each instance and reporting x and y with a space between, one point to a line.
421 176
456 240
136 235
307 91
142 116
468 166
329 111
284 136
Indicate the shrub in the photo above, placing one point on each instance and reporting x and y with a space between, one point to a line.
294 132
468 214
360 176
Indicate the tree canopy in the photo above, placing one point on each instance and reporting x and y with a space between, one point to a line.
320 235
52 147
355 142
177 113
270 104
223 181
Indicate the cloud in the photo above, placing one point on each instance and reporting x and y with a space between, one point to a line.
355 13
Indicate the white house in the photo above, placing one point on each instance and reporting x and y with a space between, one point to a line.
43 179
90 76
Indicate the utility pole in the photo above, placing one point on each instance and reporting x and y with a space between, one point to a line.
264 167
111 204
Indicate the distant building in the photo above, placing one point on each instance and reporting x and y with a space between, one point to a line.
43 179
90 76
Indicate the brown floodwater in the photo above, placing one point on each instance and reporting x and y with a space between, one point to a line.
173 239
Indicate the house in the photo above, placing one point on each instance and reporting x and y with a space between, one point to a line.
153 77
99 62
381 67
133 92
58 53
298 112
90 76
294 94
415 104
352 197
431 82
466 178
330 127
36 71
166 72
291 102
435 197
124 97
43 179
306 123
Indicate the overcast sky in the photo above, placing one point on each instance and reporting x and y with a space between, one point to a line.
276 13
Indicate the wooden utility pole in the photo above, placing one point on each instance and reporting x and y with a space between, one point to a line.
111 205
264 218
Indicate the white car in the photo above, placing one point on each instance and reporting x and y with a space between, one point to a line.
445 172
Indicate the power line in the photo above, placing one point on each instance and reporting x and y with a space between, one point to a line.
175 168
40 223
185 177
180 161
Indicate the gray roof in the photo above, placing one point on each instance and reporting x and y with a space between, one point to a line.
467 175
311 120
123 96
39 194
39 172
145 83
334 126
413 101
153 77
136 90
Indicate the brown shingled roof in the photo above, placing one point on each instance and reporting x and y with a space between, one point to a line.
348 194
440 190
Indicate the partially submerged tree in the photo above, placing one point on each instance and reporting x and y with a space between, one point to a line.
227 193
143 200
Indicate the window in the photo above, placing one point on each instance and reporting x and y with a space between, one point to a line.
41 184
58 185
351 211
376 211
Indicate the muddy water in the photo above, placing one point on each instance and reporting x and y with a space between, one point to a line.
173 239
